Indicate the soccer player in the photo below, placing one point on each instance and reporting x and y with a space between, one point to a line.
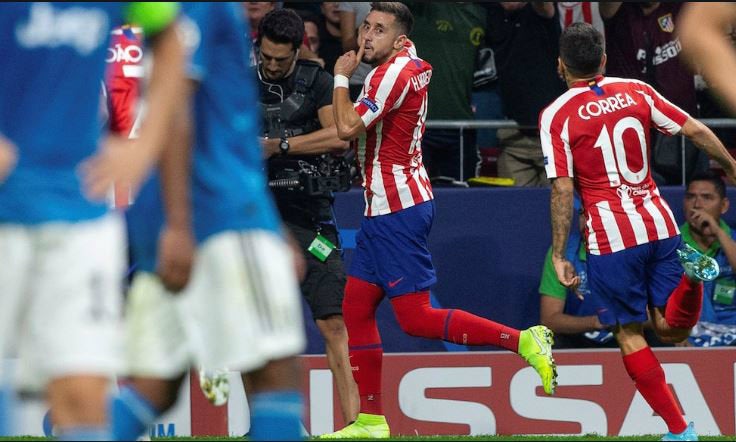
703 30
64 252
596 139
391 257
241 308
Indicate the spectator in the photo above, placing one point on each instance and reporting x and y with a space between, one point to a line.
449 35
311 33
573 320
642 44
524 37
352 15
705 202
330 36
575 12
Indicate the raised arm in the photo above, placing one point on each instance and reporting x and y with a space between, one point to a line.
347 120
608 9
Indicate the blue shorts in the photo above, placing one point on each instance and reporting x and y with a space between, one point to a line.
391 251
625 283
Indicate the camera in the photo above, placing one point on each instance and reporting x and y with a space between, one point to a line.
311 175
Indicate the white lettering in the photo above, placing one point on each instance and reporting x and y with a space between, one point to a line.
131 54
414 403
526 403
421 80
321 414
605 106
83 29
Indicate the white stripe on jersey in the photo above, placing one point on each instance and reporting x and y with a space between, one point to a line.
668 210
400 101
379 205
422 173
545 132
661 119
592 240
659 222
609 225
416 137
384 88
636 221
402 186
565 136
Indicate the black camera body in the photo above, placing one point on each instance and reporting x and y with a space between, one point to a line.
311 175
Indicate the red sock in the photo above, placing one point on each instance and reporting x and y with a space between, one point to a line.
366 352
417 317
683 307
644 368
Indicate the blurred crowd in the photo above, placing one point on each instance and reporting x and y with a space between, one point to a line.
498 61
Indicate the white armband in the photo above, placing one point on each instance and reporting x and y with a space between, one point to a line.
341 81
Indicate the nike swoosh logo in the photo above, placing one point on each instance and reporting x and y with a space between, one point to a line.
392 284
542 348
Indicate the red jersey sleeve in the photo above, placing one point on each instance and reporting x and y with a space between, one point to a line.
385 90
666 116
554 135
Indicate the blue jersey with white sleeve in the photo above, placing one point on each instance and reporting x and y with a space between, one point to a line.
229 185
53 59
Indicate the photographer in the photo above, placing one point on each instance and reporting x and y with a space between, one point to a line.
300 142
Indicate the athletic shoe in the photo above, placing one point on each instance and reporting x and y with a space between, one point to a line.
215 385
698 267
368 426
535 346
688 434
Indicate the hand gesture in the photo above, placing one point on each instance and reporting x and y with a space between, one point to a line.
8 158
704 221
349 61
566 274
175 257
119 160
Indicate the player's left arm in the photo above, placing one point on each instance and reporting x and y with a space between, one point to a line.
707 141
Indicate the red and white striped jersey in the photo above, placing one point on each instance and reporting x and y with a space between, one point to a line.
393 107
599 133
575 12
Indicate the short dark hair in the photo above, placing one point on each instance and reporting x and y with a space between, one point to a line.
581 49
282 26
711 177
400 11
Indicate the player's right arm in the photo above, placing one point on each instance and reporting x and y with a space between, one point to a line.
707 141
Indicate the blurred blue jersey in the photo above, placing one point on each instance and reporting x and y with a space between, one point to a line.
229 189
229 185
53 58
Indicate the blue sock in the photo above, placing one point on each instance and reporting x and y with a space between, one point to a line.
130 414
85 433
276 415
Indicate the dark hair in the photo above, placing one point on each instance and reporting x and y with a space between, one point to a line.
400 11
308 16
711 177
282 26
581 49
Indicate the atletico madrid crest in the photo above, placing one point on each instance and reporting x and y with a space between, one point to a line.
666 23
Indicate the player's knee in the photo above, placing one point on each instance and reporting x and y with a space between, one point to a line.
673 335
333 328
417 318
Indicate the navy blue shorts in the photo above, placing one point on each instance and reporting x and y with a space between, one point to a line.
624 283
391 251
